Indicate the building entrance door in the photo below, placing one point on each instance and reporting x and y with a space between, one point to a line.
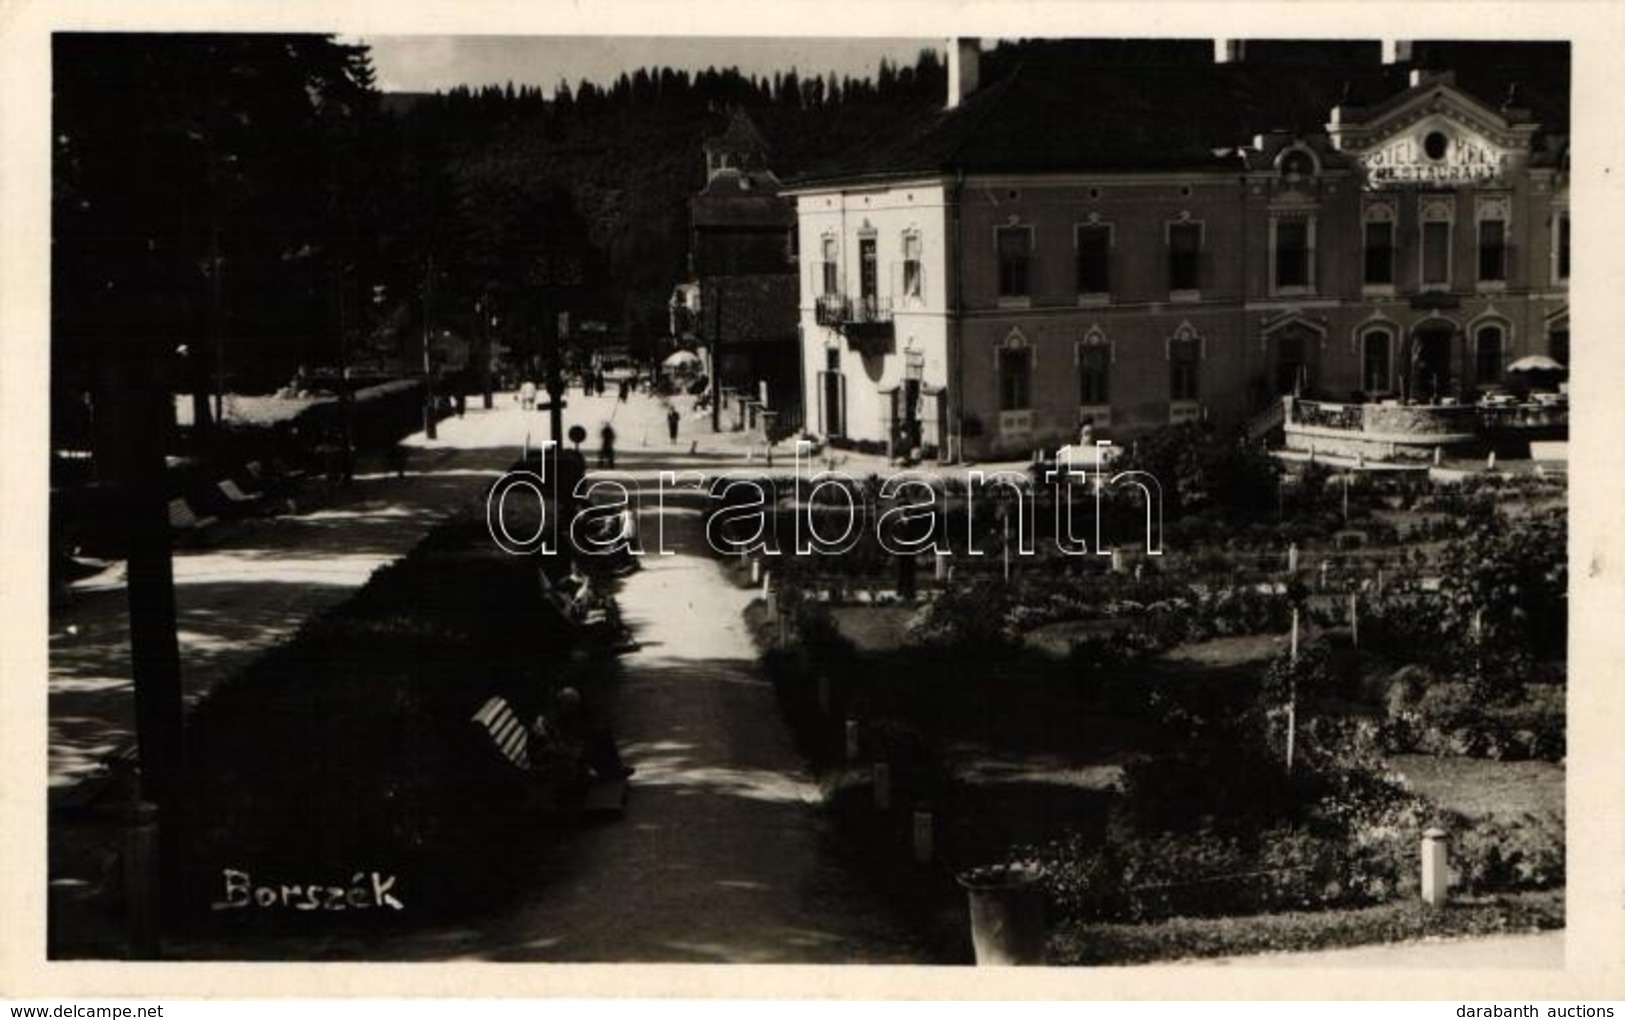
832 403
1431 363
1294 362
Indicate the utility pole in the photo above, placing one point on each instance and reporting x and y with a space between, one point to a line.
428 366
486 321
346 391
555 379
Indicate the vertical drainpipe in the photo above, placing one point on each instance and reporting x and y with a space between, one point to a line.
956 324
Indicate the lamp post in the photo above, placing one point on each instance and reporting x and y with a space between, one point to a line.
428 367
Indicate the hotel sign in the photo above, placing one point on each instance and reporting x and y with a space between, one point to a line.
1434 158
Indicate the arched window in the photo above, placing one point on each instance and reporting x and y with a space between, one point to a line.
1015 373
1094 369
1488 349
1376 360
1184 364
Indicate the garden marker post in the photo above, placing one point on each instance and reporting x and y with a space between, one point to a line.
1292 558
1435 867
942 566
1354 618
1292 695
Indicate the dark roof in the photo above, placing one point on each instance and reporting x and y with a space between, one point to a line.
754 309
734 198
1064 108
740 136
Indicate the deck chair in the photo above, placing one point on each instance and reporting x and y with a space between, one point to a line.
184 520
511 738
506 731
237 500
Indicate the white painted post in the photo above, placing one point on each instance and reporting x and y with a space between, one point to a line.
1119 562
1354 618
767 582
943 566
923 824
1438 455
1292 558
1489 465
1435 867
882 786
1325 566
1292 697
851 740
755 571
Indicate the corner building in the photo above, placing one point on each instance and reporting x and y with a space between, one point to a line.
1095 238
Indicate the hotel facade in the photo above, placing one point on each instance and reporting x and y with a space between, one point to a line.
1113 246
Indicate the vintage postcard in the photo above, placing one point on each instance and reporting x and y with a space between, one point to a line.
917 490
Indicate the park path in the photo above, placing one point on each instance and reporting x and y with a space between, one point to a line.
721 855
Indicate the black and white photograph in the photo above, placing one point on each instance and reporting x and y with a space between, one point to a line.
966 497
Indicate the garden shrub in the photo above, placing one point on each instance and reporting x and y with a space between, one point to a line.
1498 854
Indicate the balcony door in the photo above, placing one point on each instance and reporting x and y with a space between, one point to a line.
868 276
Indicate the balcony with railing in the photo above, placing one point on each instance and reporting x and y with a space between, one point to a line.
865 320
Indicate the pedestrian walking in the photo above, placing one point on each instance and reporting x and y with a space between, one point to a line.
606 447
672 420
527 395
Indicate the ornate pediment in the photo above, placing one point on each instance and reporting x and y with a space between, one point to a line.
1433 135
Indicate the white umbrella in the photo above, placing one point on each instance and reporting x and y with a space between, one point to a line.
1536 363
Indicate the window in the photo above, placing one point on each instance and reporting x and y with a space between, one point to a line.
1094 243
1563 248
1015 253
832 359
912 276
1184 249
1436 253
1379 253
1094 373
1292 253
831 271
1015 379
1374 372
1487 355
867 279
1492 251
1184 357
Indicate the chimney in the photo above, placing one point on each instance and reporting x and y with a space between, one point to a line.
1229 51
1396 51
964 69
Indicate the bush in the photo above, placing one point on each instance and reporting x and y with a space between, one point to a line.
965 617
1494 855
1428 715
